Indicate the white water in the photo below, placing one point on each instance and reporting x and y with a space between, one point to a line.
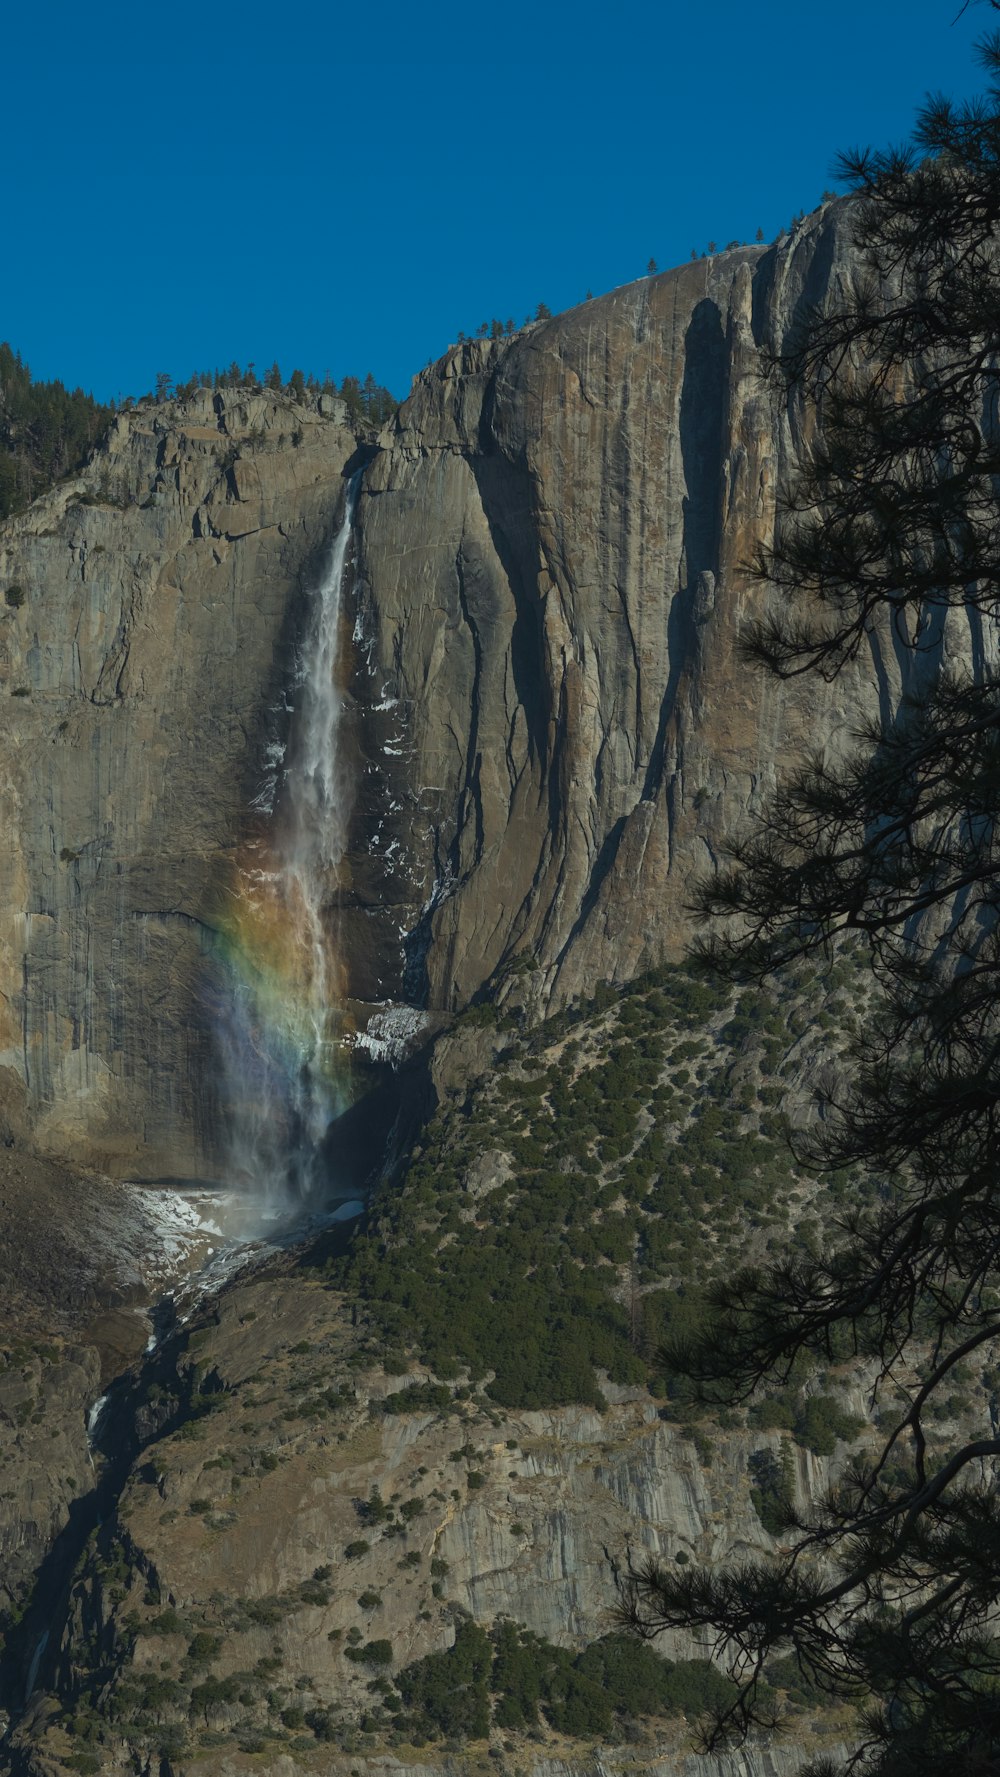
279 1033
36 1660
317 803
94 1415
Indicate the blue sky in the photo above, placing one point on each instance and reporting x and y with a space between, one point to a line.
344 188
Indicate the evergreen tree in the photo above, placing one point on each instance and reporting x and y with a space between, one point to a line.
46 431
350 394
886 1594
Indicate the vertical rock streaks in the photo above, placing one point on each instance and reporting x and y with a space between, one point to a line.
581 502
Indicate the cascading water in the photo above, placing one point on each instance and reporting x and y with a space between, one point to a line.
284 1066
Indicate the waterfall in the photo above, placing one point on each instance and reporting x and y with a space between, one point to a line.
284 1065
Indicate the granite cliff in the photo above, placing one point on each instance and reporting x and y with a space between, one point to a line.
550 583
549 725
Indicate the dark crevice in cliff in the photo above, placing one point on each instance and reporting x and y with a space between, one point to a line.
603 865
819 267
701 418
701 422
470 795
762 297
885 700
506 496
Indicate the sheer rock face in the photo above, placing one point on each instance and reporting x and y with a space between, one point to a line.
551 585
146 644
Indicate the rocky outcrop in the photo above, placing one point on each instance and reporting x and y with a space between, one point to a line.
148 619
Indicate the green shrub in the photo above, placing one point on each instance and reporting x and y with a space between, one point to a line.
314 1591
213 1692
822 1421
773 1490
372 1653
203 1649
14 596
265 1611
373 1510
696 1687
322 1723
419 1397
776 1414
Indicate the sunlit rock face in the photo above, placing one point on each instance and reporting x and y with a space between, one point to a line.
547 728
144 677
551 586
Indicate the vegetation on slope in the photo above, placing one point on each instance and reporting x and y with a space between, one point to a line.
509 1678
568 1214
367 402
